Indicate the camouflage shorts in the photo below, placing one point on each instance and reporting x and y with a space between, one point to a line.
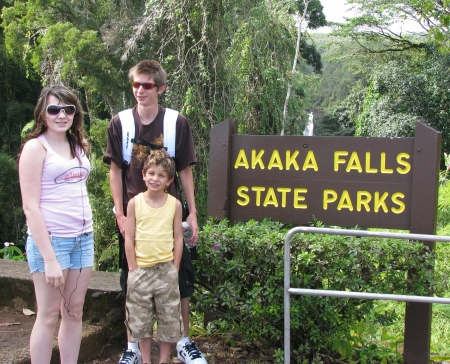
153 294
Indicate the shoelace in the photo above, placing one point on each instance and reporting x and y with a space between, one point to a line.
127 357
193 351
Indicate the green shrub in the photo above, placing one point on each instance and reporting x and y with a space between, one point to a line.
440 333
12 252
12 219
240 281
106 239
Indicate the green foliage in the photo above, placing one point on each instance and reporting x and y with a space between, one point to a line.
106 240
246 290
436 14
370 339
258 69
207 50
11 219
404 91
440 334
12 252
373 29
441 314
339 73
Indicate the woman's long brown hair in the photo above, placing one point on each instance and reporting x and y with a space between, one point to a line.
75 134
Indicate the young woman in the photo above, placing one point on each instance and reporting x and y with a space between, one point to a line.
53 169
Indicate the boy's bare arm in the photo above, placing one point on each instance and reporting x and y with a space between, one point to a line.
177 236
116 185
187 182
130 235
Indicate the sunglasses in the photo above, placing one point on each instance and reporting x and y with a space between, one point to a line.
145 85
54 110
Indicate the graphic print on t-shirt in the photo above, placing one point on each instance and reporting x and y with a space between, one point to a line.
141 151
73 175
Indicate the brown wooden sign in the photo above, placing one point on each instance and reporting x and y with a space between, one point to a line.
344 181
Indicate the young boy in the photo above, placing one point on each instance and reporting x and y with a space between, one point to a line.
153 246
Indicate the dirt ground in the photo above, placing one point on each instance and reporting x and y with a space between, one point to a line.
15 330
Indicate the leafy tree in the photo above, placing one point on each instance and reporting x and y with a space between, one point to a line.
435 15
315 19
340 71
11 219
373 30
224 58
404 91
402 84
17 97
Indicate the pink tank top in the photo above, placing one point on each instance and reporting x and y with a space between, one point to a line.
64 200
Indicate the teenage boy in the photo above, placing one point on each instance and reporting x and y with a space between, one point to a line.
153 246
148 80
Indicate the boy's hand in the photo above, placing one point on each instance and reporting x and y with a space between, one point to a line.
121 223
132 267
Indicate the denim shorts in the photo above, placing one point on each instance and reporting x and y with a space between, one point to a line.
73 253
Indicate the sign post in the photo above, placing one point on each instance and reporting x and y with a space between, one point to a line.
427 151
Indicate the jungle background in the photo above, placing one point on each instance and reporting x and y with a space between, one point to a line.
266 64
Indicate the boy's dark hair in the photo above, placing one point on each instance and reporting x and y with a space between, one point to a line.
160 157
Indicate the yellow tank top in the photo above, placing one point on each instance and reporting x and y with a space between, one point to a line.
154 232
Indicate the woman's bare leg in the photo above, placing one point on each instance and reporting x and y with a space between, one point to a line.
48 303
69 338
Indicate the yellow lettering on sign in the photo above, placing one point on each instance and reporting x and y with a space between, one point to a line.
383 168
241 160
242 193
368 168
298 198
271 198
380 202
258 191
401 160
284 191
345 201
257 159
354 163
338 159
275 161
310 161
291 160
363 199
396 199
329 196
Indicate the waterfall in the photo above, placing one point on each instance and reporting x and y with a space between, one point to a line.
309 128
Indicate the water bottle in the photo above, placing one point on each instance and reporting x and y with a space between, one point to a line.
187 233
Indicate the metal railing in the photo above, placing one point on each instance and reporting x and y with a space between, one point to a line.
349 294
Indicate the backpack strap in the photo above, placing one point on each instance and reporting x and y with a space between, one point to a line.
170 130
128 133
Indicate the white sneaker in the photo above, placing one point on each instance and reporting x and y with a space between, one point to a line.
130 357
189 353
